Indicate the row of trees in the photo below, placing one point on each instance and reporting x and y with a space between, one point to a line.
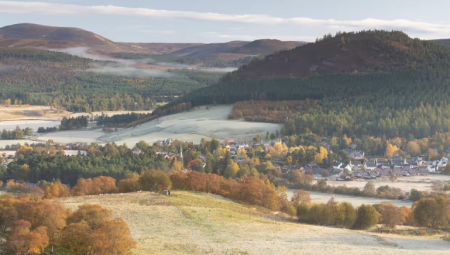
16 133
120 119
73 123
269 111
34 163
249 190
433 212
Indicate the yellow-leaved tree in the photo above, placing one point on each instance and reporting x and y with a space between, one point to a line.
390 150
321 155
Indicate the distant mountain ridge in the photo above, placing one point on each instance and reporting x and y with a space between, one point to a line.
40 32
77 38
50 37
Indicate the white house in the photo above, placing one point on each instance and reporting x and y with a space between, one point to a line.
337 165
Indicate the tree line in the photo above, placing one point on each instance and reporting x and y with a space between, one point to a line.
269 111
16 133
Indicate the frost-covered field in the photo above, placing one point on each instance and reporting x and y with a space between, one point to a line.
318 197
34 124
422 183
189 126
202 122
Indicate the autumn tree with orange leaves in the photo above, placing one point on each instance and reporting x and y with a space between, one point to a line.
95 186
24 241
56 190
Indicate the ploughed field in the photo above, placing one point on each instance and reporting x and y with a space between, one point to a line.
199 223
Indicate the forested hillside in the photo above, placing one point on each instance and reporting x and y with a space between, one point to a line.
407 95
362 52
31 76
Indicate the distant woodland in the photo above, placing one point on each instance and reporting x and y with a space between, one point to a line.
29 76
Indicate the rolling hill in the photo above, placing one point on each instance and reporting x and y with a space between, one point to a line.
39 32
206 49
350 55
442 41
234 50
347 53
48 37
36 43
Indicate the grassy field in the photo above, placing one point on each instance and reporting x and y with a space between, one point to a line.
198 223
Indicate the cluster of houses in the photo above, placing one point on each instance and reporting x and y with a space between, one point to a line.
373 168
165 142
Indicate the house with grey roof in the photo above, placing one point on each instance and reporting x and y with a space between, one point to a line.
370 165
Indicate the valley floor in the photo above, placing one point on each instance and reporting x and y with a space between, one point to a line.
199 223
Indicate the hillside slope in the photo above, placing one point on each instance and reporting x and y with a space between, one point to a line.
206 49
49 37
365 52
39 32
35 43
199 223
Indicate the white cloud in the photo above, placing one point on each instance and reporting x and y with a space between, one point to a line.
415 27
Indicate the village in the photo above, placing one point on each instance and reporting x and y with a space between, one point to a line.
359 166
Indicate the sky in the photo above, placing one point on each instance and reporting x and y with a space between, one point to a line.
209 21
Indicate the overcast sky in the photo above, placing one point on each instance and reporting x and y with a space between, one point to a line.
229 20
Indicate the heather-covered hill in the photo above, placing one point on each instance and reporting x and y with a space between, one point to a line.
364 52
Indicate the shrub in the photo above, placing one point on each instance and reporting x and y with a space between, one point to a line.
367 217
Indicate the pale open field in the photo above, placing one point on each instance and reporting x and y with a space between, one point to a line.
33 124
73 136
198 223
422 183
318 197
25 112
190 126
109 113
34 112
